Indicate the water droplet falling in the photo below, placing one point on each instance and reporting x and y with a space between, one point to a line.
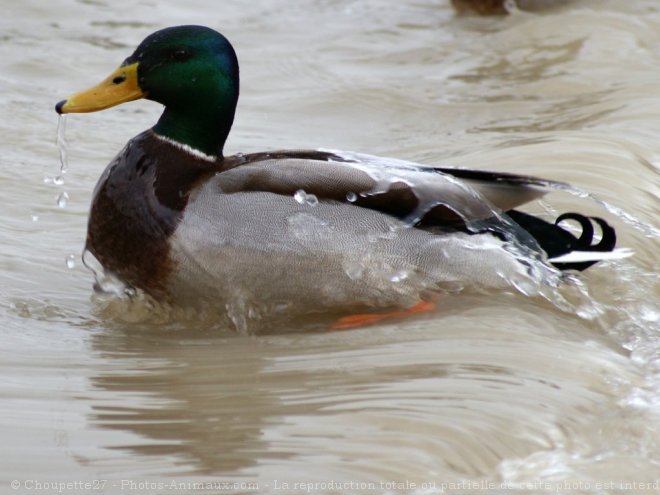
63 199
58 180
62 147
351 197
71 262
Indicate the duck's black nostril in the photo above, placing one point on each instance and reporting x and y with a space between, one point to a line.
59 105
118 79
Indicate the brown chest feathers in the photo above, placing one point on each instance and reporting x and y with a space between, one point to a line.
138 204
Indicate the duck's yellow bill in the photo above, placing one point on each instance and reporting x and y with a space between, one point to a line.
119 87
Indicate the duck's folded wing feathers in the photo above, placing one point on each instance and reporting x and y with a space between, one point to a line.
402 189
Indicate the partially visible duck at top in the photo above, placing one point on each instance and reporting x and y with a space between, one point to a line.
304 230
500 7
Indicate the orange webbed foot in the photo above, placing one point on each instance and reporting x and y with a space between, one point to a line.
366 319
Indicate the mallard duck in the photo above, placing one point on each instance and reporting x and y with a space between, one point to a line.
499 7
483 7
296 229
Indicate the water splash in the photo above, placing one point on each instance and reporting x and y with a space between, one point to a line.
242 313
647 229
304 198
433 188
354 269
399 276
511 6
309 228
386 171
105 283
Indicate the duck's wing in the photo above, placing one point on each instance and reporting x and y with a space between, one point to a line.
504 190
352 222
436 195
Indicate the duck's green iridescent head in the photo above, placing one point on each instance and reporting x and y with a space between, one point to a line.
192 70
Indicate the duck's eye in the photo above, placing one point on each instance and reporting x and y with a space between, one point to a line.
180 55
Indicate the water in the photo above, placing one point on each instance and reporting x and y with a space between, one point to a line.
648 229
62 199
71 261
62 147
304 198
493 388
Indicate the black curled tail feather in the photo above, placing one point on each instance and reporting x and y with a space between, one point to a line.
606 243
556 241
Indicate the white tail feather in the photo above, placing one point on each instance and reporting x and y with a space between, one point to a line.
581 256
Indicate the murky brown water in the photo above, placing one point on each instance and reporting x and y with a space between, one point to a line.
493 391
